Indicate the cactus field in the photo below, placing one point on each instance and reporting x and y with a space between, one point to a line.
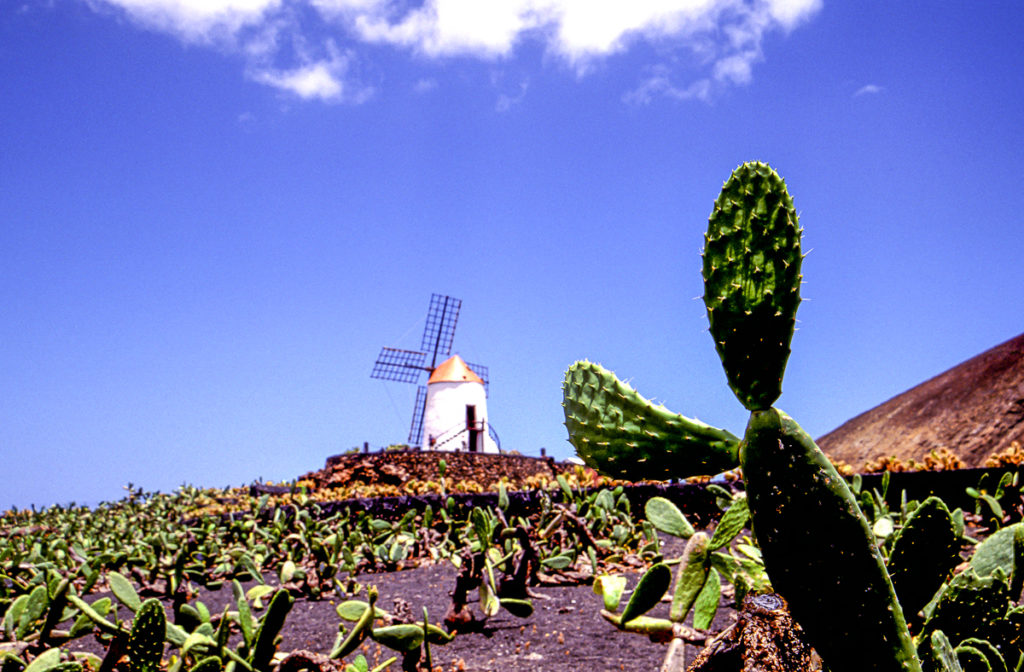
223 580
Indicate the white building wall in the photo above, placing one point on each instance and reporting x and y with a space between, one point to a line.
445 415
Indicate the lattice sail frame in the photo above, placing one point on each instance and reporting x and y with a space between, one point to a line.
439 331
405 366
418 409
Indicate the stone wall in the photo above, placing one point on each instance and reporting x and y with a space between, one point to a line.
398 466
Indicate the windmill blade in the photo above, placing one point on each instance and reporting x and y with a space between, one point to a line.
405 366
416 430
440 328
481 370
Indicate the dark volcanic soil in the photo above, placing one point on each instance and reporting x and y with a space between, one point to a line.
565 633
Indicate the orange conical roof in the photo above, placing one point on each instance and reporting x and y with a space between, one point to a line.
454 370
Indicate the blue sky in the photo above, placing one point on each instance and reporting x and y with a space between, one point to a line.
214 214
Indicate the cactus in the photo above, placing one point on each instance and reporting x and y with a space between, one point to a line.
942 653
819 550
752 281
629 437
265 639
208 664
923 555
146 640
648 592
691 576
817 546
991 658
969 606
697 582
1003 550
49 661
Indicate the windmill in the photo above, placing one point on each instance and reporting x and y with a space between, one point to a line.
449 383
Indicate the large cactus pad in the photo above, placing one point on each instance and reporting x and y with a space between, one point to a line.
923 555
819 552
752 281
621 434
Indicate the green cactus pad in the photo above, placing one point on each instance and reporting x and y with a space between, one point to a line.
970 606
1003 550
48 660
752 281
620 434
994 660
667 517
403 637
146 640
706 606
648 592
610 589
819 551
731 524
971 659
265 640
691 575
923 555
517 607
942 654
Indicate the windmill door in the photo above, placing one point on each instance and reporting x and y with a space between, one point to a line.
472 429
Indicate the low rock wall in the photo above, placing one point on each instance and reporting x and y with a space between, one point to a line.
399 466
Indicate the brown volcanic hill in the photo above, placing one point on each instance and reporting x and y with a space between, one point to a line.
975 409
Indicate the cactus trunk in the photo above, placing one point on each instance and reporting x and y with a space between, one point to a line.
819 551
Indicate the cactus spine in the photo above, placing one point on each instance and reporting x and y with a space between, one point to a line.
818 549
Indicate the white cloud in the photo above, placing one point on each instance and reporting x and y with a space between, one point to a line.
451 27
659 85
196 20
288 43
311 81
791 13
318 80
736 68
867 89
425 85
506 101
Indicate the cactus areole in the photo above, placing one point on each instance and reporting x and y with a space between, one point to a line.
818 549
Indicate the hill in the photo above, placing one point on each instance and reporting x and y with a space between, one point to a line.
975 410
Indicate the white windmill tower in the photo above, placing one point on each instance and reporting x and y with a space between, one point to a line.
451 410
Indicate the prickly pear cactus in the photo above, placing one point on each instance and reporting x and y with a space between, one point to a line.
1003 550
970 606
818 549
752 281
923 555
624 435
146 640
